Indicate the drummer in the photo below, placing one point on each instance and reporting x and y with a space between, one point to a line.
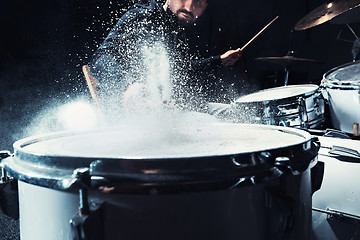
149 42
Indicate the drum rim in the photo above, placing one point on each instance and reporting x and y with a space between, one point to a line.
201 173
306 94
20 144
330 84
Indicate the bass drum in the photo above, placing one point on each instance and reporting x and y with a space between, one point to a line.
336 209
342 86
207 181
300 106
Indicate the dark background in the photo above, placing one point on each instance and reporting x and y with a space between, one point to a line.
43 45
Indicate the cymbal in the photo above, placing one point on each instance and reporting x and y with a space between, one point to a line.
287 61
325 13
350 16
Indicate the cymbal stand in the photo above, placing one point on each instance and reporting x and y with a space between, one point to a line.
287 70
352 31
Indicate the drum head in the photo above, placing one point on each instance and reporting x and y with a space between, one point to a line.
208 156
344 76
279 93
127 142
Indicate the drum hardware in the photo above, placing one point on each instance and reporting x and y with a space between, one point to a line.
326 12
329 133
336 214
86 224
287 62
8 191
355 50
285 165
4 176
340 151
302 107
339 38
352 31
355 44
287 109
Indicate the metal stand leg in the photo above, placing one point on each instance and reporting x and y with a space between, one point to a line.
287 70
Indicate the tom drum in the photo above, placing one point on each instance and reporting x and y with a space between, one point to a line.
342 86
208 181
300 106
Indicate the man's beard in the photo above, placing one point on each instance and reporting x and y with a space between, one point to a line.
185 22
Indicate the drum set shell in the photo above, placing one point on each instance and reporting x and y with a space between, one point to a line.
267 192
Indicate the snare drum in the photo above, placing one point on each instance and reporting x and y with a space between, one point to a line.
342 85
210 181
300 106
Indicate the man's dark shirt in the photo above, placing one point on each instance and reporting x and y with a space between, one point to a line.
119 61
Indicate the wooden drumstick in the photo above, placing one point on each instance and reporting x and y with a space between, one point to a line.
356 129
258 34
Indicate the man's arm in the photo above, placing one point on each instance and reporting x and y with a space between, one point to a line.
115 57
229 58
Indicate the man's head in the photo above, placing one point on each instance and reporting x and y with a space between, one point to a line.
187 11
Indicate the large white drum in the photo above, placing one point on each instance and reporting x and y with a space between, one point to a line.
207 181
300 106
336 214
342 86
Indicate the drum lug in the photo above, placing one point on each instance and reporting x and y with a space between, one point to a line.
303 112
82 177
85 222
88 226
8 191
4 176
283 164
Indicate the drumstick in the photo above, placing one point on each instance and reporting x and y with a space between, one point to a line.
258 34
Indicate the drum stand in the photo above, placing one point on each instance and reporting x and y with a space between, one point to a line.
287 61
287 70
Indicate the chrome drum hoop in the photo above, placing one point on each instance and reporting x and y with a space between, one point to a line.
192 173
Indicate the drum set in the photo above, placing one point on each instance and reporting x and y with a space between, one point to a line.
264 175
305 106
335 206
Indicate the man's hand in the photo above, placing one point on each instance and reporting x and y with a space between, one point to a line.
230 57
136 96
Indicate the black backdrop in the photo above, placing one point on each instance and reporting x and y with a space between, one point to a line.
43 45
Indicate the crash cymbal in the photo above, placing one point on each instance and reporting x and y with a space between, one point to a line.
288 60
325 13
350 16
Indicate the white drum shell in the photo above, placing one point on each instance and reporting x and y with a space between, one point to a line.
247 212
342 86
253 204
344 106
45 213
